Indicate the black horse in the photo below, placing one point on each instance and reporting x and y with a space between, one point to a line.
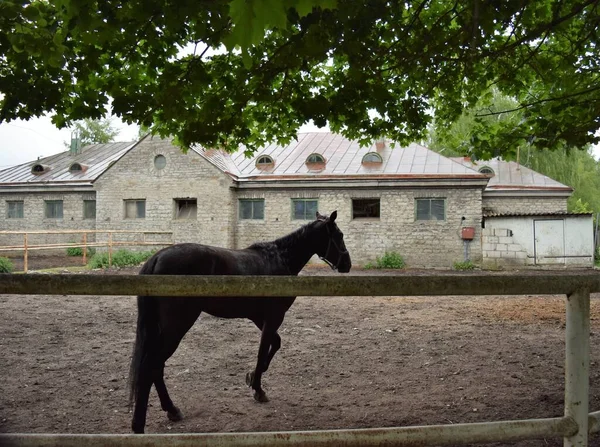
163 321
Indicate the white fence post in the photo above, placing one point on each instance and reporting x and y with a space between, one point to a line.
577 365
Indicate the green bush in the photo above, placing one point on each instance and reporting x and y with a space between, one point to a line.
78 251
389 260
6 265
98 261
463 265
121 258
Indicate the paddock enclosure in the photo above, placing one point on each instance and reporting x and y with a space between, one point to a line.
346 363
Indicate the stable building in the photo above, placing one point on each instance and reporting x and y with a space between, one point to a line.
429 208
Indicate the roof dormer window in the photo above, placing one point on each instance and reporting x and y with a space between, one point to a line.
315 158
486 170
77 168
264 162
372 157
39 169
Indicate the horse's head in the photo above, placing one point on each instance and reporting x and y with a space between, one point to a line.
332 249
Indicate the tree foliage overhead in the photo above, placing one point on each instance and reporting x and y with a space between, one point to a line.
364 67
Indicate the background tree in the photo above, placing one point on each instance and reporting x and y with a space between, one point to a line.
92 131
364 67
575 168
95 131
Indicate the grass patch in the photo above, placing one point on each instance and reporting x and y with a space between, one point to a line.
463 265
390 260
78 251
6 265
121 258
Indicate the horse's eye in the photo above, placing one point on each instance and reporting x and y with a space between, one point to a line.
341 234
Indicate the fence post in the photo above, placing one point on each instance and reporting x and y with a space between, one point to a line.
577 365
25 260
110 241
84 248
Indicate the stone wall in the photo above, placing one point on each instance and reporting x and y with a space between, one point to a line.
421 243
524 204
185 176
34 218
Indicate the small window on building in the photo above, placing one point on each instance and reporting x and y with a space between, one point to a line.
76 168
160 161
365 208
315 159
430 209
135 209
89 209
264 162
53 209
186 208
372 157
14 209
252 209
304 209
486 170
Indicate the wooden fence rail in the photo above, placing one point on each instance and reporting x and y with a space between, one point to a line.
110 243
574 427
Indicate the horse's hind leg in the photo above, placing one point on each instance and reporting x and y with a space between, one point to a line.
141 400
173 413
269 345
172 334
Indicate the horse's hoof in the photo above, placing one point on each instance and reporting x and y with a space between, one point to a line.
249 378
261 397
137 429
175 416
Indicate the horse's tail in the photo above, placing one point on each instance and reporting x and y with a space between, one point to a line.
146 333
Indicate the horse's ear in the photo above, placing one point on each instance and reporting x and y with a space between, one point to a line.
333 216
320 216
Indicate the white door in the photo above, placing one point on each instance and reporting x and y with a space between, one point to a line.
549 241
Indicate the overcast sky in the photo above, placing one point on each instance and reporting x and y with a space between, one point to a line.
25 141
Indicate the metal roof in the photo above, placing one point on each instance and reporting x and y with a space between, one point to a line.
509 175
95 159
343 158
551 213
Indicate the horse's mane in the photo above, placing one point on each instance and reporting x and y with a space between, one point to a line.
287 240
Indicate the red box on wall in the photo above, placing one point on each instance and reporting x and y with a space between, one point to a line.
468 233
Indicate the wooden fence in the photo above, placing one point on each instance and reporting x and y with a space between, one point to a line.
110 243
574 427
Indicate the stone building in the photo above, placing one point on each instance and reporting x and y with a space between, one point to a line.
410 200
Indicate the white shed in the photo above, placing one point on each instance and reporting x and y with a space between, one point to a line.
511 240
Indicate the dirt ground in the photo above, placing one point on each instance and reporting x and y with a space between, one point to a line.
348 362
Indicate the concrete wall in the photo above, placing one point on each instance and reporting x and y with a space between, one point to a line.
134 176
515 204
511 242
421 243
34 217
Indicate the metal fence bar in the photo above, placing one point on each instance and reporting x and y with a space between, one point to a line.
577 365
278 286
429 435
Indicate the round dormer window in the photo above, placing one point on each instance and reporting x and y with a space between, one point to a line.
264 162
